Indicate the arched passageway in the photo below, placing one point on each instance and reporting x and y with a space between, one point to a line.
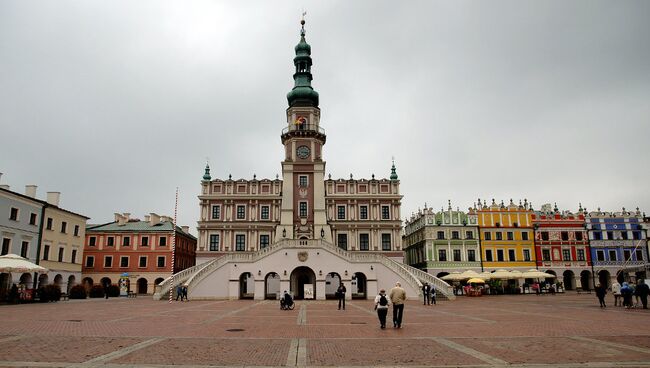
303 283
585 280
142 286
551 280
604 278
332 282
106 282
246 286
158 280
271 286
359 287
57 280
42 280
87 282
71 282
568 279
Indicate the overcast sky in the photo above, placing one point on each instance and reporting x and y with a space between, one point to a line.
117 103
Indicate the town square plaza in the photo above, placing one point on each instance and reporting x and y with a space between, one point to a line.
568 330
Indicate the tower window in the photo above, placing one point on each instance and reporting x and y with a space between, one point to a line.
303 209
340 212
385 212
216 212
363 212
240 242
364 242
385 241
264 241
265 213
302 180
342 241
214 242
241 212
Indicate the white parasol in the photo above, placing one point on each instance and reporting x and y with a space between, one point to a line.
18 264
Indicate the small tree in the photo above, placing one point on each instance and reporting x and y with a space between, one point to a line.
78 292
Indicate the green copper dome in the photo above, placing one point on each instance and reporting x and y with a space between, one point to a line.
206 176
393 172
302 93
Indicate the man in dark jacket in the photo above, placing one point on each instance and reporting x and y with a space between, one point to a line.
600 293
642 290
426 291
340 293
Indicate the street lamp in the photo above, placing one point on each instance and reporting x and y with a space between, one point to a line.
322 233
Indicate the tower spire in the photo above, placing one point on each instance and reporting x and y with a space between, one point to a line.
393 173
302 93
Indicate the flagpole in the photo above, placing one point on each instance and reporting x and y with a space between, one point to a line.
171 285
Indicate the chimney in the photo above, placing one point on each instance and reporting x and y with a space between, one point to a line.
127 216
154 219
30 191
121 219
53 198
146 218
186 229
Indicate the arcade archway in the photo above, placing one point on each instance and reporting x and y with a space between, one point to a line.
271 285
604 278
332 282
142 286
303 283
568 279
246 286
359 281
585 280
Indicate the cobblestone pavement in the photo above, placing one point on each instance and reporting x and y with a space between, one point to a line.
516 331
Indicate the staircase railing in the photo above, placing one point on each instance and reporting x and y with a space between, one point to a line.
178 278
435 282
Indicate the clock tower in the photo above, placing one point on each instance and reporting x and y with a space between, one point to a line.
303 214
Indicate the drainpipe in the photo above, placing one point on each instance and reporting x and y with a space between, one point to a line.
593 275
39 242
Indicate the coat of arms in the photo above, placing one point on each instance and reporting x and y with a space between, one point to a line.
302 256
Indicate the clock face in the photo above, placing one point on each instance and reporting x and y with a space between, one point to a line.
302 152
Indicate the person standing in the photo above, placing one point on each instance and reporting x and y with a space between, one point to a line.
340 292
179 292
626 292
600 293
433 295
426 291
184 293
642 291
381 306
616 290
397 296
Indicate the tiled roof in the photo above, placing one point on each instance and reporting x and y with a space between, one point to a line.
134 226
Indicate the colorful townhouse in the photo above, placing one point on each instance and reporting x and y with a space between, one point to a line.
618 245
141 250
506 236
443 242
562 246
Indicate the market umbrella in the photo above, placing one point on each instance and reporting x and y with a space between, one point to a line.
454 276
501 274
470 274
475 280
485 275
537 274
514 275
16 263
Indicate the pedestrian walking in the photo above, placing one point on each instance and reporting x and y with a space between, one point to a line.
616 290
626 292
397 296
340 294
106 291
426 291
381 306
600 293
642 291
179 292
433 295
184 293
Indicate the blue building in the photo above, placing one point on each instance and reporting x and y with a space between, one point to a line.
618 245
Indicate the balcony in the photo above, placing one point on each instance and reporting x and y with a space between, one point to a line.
303 130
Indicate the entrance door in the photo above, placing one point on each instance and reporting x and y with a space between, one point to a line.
301 277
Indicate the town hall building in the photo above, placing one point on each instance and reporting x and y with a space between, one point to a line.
305 233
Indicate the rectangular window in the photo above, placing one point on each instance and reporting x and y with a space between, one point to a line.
627 255
90 261
385 212
342 241
456 254
580 254
264 241
363 212
579 235
441 235
364 242
636 235
499 235
143 261
612 255
566 254
488 255
108 261
545 235
303 209
214 242
455 235
23 249
110 241
265 213
216 212
76 230
145 241
92 241
524 235
487 235
6 242
126 241
240 242
564 235
610 235
64 227
598 235
639 254
161 261
46 252
546 254
624 235
442 255
469 235
32 219
511 255
124 261
385 241
241 212
13 214
60 258
471 255
511 235
73 259
302 180
162 242
340 215
49 223
527 255
500 255
600 255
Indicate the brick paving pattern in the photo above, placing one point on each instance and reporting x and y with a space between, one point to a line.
526 330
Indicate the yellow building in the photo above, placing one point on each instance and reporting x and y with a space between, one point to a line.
507 236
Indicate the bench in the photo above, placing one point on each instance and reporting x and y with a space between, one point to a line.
131 294
64 296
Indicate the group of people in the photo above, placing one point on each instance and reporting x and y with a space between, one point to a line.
623 294
429 294
181 292
396 298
